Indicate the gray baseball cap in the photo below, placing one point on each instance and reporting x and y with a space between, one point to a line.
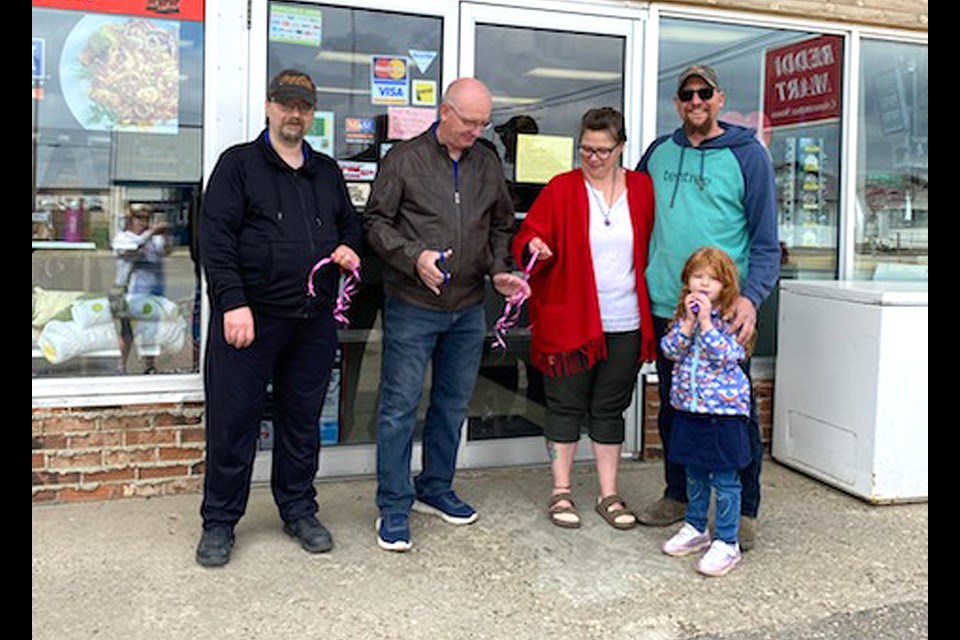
701 71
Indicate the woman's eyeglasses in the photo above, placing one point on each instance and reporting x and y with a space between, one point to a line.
686 95
601 152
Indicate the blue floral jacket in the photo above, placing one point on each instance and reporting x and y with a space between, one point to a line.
707 377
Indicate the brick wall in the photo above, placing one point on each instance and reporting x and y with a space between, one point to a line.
103 453
652 449
117 452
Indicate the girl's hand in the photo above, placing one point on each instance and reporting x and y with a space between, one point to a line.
698 310
703 306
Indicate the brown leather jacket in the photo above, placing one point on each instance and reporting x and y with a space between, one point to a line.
421 201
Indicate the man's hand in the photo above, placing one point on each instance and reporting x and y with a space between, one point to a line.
427 268
238 327
742 316
346 258
507 283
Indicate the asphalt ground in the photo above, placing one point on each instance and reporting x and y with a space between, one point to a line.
827 565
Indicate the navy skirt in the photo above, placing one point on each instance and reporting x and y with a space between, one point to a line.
710 442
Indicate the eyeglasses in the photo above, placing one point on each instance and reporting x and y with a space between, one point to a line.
601 152
483 125
686 95
302 107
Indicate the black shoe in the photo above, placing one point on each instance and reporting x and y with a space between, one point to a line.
215 546
313 536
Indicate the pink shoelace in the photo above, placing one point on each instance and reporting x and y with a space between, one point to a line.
344 299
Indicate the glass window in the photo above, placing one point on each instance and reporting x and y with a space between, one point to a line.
542 82
891 203
376 85
788 85
116 163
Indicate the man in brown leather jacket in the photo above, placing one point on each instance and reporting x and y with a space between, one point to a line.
440 218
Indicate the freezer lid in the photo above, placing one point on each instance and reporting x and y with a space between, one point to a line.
892 293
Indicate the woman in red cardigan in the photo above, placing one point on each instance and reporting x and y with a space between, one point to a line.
590 321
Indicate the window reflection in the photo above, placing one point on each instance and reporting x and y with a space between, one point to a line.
360 113
543 82
786 84
891 206
116 120
792 113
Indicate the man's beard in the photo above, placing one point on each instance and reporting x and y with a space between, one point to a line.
702 129
288 135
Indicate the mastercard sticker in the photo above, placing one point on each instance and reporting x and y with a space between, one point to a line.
389 80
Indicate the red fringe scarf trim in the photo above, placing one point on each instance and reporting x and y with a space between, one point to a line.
562 364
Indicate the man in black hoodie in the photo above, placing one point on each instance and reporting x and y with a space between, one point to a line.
273 208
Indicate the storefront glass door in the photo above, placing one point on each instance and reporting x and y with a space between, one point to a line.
544 69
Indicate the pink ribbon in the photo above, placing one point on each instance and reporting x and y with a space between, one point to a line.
513 307
343 300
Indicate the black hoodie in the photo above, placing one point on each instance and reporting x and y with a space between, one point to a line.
263 225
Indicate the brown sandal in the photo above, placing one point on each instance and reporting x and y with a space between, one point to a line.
611 515
554 511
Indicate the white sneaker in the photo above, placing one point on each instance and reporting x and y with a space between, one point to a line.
719 559
686 541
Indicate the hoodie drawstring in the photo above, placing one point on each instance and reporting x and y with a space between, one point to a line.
701 179
676 185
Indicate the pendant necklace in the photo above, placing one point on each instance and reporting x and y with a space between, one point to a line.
604 211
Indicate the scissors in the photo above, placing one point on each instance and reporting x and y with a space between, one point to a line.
441 264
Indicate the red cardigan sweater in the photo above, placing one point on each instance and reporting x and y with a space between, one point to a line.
565 327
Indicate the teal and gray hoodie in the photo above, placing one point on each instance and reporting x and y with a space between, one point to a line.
720 193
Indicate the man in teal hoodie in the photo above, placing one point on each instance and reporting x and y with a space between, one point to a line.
714 185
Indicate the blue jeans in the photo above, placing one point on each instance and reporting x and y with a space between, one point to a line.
674 474
727 485
452 341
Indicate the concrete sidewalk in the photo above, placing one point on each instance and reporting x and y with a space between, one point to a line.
826 565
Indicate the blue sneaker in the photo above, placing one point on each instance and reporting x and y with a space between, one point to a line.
393 532
448 506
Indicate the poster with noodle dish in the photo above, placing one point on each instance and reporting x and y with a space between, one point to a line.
122 73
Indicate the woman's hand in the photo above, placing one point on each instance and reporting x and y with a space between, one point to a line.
538 245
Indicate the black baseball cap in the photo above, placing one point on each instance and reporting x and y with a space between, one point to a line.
291 84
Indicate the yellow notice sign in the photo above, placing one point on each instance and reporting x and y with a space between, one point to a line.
541 157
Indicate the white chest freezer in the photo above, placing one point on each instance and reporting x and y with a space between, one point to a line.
850 399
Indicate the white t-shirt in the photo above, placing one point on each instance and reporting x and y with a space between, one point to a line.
611 247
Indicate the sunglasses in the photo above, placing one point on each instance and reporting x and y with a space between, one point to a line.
686 95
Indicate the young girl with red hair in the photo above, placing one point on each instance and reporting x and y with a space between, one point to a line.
711 396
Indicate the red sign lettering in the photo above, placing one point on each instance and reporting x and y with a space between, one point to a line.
804 81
